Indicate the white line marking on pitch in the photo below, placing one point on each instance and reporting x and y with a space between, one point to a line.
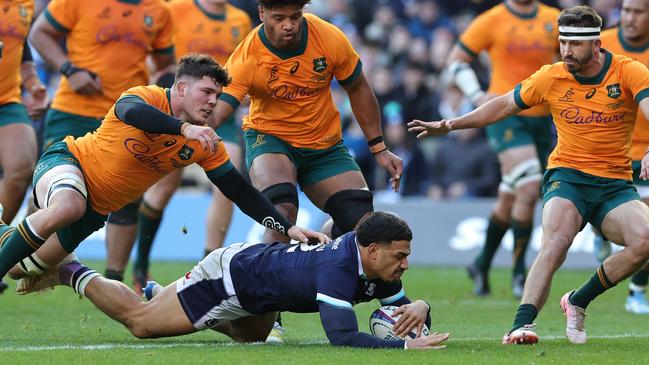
145 346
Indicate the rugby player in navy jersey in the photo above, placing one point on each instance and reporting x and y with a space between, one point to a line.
238 290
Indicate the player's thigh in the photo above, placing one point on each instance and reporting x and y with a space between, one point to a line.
163 315
321 191
252 328
17 147
235 152
44 182
627 223
269 169
561 221
159 194
513 157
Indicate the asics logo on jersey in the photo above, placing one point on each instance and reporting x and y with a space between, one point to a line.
294 68
139 149
269 222
591 93
573 115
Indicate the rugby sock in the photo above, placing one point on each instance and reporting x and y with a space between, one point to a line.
522 233
595 286
495 232
638 281
77 276
20 243
526 314
113 274
148 223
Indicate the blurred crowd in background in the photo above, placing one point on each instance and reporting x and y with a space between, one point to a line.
403 45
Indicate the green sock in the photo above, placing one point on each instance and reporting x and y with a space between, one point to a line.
595 286
495 232
526 314
641 278
148 223
522 232
17 244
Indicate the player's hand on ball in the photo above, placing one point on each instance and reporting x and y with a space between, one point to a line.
429 129
204 134
412 316
306 235
433 342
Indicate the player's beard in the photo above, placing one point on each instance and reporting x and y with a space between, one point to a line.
579 64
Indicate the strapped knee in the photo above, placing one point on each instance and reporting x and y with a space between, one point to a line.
521 174
32 265
346 208
282 193
127 215
65 181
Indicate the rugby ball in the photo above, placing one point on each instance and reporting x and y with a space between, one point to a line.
381 322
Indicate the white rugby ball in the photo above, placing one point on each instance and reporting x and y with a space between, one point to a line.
382 321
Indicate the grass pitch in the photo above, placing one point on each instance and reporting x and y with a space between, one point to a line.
57 327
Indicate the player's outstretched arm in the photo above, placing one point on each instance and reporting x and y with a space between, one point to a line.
489 113
366 110
258 207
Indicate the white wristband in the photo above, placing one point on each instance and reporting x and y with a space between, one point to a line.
405 344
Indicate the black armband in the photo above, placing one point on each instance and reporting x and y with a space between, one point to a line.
134 111
374 141
251 201
68 69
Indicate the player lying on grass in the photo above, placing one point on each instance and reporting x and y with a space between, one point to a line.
238 290
148 133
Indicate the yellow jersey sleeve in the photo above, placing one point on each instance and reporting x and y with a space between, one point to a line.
62 14
164 41
478 36
241 68
347 64
216 164
533 90
636 77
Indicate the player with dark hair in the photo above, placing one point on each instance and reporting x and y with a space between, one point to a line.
519 36
196 22
631 39
237 290
148 133
293 131
593 96
107 43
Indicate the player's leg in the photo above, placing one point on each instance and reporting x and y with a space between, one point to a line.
334 183
273 172
154 202
219 213
496 229
636 301
163 316
17 157
61 192
251 328
121 232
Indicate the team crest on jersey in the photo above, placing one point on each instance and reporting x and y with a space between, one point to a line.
554 185
22 10
148 20
319 64
614 91
185 153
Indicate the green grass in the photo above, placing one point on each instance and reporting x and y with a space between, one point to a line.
38 328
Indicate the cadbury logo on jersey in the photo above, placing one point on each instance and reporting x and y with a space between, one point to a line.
139 150
573 115
286 92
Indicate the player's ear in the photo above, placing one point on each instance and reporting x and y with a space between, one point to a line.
261 13
182 87
373 250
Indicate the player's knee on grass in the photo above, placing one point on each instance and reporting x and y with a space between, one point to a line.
252 329
347 208
125 216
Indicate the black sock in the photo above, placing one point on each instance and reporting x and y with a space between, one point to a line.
596 285
522 232
114 275
526 314
495 232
